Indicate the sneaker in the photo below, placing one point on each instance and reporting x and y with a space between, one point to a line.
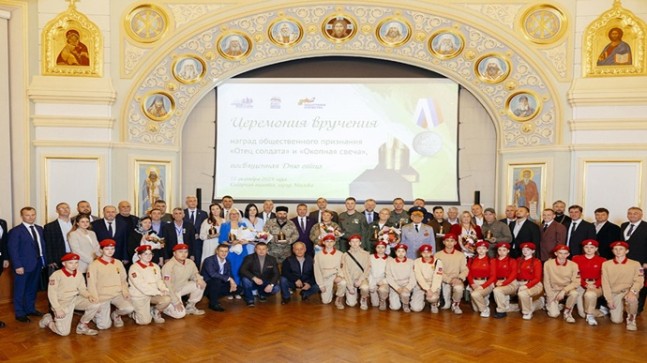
541 303
434 308
590 319
230 297
406 308
250 304
363 304
456 309
44 322
499 315
83 329
339 303
382 306
485 313
116 319
604 310
513 308
238 297
631 323
192 310
157 317
569 318
527 316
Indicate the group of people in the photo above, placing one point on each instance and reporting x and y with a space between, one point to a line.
163 263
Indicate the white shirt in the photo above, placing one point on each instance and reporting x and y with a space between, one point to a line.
479 221
66 227
28 226
517 226
598 226
626 231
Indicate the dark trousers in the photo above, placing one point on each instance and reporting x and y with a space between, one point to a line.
197 251
25 287
249 286
286 285
215 290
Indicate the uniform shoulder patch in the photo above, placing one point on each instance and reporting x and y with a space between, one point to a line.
52 282
134 275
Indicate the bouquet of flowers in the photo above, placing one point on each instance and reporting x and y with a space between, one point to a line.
246 234
468 242
263 237
391 236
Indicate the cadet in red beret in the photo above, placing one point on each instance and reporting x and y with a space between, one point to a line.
67 292
454 273
506 279
529 279
429 276
481 278
182 277
147 288
401 279
378 287
590 289
622 280
107 282
561 279
328 272
356 267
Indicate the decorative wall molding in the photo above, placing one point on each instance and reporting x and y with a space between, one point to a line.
74 90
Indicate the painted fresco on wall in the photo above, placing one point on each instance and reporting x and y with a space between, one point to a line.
234 45
339 28
189 69
525 185
492 68
523 106
158 106
285 32
446 44
393 32
152 184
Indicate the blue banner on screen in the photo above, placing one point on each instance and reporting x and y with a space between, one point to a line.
299 139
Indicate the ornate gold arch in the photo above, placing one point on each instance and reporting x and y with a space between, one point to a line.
206 40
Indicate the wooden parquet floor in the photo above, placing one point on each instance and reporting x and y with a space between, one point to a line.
312 332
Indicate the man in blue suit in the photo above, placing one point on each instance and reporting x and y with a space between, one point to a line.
298 273
216 271
27 253
112 228
195 216
304 224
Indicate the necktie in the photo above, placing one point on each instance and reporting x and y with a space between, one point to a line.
33 236
110 229
545 226
193 218
631 230
369 217
303 224
417 230
570 236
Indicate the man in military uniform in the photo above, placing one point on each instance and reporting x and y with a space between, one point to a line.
561 279
146 288
356 267
494 231
622 280
107 282
416 233
182 277
352 222
399 216
284 233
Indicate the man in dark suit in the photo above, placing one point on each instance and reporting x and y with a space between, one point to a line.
4 255
523 230
634 232
266 214
259 272
161 205
578 230
27 253
322 205
195 216
304 225
84 207
440 226
369 211
552 234
112 228
606 232
216 271
560 207
176 232
510 215
298 273
55 233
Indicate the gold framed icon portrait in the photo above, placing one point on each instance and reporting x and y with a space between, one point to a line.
158 105
523 105
285 32
152 182
492 68
339 28
189 68
234 45
446 44
393 32
526 187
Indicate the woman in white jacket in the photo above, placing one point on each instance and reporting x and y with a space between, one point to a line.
83 242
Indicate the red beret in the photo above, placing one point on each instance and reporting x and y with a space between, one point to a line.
180 246
561 247
401 245
380 243
620 243
328 237
142 248
70 257
590 242
425 248
482 243
503 244
528 245
355 236
107 243
450 236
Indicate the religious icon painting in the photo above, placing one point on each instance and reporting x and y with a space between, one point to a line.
158 106
339 28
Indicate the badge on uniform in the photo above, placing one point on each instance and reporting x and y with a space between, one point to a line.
641 271
426 234
52 282
134 275
167 278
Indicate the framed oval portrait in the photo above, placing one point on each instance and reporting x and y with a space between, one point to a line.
523 106
285 32
234 45
158 106
189 69
339 28
446 44
393 32
492 68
